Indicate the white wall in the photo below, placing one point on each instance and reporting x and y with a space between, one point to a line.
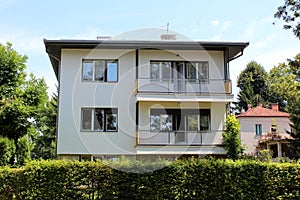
75 94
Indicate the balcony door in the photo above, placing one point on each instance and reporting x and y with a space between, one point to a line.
179 76
180 129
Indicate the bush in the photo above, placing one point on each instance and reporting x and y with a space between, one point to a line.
7 150
23 151
183 179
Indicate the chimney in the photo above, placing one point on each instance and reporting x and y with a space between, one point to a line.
259 104
168 37
275 107
249 106
102 37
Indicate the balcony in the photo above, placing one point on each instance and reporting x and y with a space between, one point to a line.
179 138
191 86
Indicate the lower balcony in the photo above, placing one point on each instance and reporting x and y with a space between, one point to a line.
179 138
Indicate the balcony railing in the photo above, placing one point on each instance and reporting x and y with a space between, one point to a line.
191 138
211 86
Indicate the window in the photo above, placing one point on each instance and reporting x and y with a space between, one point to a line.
273 128
258 129
193 122
192 71
161 71
197 71
100 70
99 119
162 122
179 120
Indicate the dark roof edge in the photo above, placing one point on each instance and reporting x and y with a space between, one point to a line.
68 42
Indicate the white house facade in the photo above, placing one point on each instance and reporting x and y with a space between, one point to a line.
141 97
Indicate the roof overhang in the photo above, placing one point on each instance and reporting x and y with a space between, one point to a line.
53 47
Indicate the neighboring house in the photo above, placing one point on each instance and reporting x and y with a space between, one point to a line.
141 97
263 128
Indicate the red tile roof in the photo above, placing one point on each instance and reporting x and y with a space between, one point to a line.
260 111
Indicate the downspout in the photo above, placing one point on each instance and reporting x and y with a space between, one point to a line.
242 53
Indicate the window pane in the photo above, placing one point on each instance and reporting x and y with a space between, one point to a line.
111 122
112 71
99 70
154 70
193 122
87 72
165 71
258 129
204 122
99 120
154 122
191 72
86 123
203 71
166 122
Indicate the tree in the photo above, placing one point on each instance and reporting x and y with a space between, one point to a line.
285 82
45 127
290 14
252 82
231 137
20 98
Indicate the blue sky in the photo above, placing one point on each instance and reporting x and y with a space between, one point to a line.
26 23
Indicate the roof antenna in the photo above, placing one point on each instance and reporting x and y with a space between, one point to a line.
168 28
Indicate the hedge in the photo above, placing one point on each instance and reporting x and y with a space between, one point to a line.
183 179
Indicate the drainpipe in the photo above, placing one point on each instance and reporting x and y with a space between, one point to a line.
242 53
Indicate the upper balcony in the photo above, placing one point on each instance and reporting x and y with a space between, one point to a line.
185 86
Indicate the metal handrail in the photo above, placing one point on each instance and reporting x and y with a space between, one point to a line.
183 85
186 132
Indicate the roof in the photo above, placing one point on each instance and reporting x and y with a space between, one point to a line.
53 47
260 111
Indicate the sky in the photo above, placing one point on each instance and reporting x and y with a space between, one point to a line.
26 23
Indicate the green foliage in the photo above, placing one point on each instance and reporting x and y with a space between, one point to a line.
252 82
22 99
44 139
12 66
290 14
183 179
7 150
23 151
231 137
266 154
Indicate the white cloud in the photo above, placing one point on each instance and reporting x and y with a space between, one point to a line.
215 23
222 26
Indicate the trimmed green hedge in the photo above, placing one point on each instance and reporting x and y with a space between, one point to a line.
183 179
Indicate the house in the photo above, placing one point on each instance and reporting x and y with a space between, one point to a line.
263 128
141 98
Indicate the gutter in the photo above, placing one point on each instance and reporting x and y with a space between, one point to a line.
242 53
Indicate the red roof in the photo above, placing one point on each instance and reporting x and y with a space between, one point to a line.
260 111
